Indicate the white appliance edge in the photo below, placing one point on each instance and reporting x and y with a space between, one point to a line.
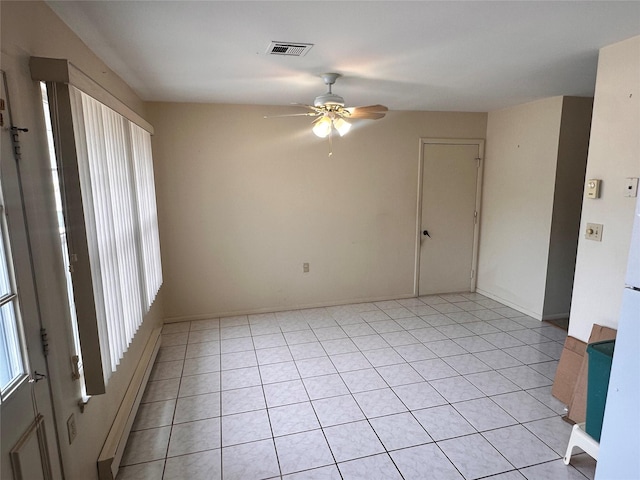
619 457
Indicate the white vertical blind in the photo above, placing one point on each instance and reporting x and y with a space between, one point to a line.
147 216
116 181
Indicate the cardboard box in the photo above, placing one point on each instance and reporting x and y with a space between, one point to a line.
568 369
578 403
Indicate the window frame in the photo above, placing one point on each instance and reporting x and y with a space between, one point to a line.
12 298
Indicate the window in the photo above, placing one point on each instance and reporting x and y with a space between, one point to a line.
12 361
107 199
118 193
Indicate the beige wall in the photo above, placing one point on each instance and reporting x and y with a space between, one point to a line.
517 203
244 201
614 154
534 172
31 28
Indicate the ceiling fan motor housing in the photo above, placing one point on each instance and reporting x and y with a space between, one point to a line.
328 99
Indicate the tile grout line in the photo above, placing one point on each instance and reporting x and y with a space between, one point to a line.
380 334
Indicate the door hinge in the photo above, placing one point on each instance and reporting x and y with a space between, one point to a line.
475 217
473 272
478 159
75 367
15 140
44 337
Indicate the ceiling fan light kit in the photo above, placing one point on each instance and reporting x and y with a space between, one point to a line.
331 113
322 127
342 126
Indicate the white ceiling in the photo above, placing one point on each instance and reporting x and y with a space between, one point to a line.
416 55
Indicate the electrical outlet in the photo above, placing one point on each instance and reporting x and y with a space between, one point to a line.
71 428
631 187
594 232
305 268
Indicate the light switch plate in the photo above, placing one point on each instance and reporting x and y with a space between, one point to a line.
593 188
631 187
594 232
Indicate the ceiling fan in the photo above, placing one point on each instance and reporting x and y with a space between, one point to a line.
331 113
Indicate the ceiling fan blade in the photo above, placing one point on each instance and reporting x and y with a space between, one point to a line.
369 108
369 112
365 115
310 107
309 114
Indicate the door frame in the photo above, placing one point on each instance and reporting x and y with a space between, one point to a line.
476 228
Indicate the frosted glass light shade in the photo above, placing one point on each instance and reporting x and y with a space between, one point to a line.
342 126
323 127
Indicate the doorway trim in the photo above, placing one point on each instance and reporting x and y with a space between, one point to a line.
476 228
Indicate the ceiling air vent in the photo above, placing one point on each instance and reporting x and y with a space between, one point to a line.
289 48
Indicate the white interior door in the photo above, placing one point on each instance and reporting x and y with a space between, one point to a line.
28 445
448 215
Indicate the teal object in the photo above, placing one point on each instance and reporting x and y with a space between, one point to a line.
600 358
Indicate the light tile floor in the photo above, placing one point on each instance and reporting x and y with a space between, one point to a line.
442 387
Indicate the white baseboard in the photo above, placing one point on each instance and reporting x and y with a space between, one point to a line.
189 318
111 454
509 304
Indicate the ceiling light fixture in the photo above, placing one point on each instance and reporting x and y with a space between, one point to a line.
324 125
330 113
342 126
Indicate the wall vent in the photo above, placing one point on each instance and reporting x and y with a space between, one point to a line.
289 48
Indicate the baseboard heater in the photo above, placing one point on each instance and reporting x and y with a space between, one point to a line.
111 454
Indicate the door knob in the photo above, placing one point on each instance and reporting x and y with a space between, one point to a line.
425 232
